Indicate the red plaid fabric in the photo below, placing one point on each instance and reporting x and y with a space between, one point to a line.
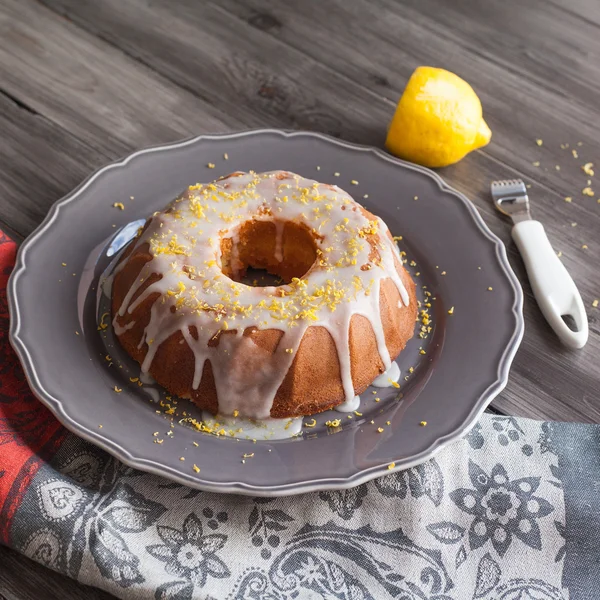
29 434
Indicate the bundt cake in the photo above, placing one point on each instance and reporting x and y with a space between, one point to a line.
344 311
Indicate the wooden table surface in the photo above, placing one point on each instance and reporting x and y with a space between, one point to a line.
83 82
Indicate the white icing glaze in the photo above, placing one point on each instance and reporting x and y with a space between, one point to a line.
262 429
334 289
349 405
150 387
121 329
385 379
152 393
147 379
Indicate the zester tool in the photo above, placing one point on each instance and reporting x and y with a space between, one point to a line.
553 287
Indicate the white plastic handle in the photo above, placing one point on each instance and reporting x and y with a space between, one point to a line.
554 289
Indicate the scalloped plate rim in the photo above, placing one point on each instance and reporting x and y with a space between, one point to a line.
236 487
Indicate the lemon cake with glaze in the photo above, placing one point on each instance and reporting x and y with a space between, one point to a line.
344 312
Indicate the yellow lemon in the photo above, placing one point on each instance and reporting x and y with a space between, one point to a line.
438 120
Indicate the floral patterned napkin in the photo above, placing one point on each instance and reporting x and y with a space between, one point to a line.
512 511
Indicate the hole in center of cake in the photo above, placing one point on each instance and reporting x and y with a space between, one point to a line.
259 249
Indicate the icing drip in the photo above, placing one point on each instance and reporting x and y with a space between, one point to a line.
354 256
147 379
121 329
349 406
148 388
385 379
153 393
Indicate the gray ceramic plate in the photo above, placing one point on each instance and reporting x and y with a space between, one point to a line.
468 354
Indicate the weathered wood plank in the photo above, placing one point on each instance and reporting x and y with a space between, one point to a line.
585 10
40 163
92 89
109 24
22 579
511 67
185 17
230 64
536 40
